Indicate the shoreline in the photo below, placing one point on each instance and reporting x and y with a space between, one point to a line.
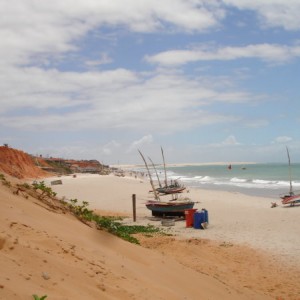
271 194
215 176
134 166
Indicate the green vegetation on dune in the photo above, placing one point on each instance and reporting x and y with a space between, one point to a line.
36 297
113 225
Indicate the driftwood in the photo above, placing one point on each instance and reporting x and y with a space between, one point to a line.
56 182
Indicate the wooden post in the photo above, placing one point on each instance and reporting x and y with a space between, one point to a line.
134 207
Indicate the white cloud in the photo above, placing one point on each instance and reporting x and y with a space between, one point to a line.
272 13
283 139
38 35
266 52
29 28
228 142
110 147
104 59
50 89
46 28
145 140
50 100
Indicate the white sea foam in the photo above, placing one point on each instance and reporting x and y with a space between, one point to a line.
199 179
235 179
283 183
265 178
189 179
206 179
260 181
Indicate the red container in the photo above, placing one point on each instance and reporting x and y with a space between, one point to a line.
189 217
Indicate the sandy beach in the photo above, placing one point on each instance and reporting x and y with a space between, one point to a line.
233 217
248 251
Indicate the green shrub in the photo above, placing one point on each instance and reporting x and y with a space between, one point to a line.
46 191
124 231
111 224
26 185
39 298
4 181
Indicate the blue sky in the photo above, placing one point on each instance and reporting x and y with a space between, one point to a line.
209 81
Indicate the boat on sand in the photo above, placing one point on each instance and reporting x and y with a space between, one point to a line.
292 197
172 207
171 189
169 208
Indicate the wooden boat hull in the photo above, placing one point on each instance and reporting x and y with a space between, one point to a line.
159 208
290 199
171 190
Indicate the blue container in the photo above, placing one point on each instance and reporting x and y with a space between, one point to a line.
199 217
205 215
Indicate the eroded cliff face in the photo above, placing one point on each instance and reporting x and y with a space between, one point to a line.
19 164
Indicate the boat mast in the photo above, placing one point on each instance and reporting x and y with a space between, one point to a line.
290 171
151 181
166 181
155 172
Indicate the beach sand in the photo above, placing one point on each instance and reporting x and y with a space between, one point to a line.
233 217
248 251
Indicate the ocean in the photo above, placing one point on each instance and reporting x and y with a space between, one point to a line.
267 180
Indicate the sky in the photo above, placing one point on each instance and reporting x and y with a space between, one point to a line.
206 80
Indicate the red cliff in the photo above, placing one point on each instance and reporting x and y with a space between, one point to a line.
19 164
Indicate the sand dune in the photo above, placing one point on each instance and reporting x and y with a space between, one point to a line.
46 251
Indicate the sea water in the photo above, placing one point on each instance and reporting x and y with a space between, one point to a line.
268 180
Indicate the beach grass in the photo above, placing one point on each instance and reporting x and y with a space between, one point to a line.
111 224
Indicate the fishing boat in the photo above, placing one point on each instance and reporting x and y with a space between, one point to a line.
292 199
292 196
173 187
172 207
169 208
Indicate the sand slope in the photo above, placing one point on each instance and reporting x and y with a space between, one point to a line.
46 252
248 245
